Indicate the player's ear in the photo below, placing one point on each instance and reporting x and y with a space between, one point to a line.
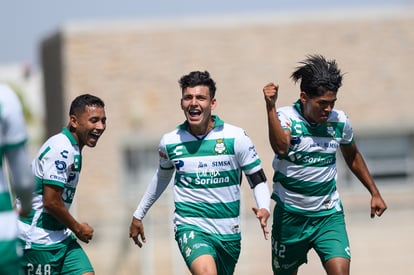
213 103
73 122
303 97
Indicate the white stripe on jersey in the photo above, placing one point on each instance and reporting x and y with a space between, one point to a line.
306 173
8 221
43 236
211 195
307 203
212 225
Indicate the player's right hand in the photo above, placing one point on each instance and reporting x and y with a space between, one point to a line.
136 231
270 92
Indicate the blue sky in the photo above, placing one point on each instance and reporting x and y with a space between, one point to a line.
24 23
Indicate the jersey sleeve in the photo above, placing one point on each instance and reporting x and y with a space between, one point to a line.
348 135
246 154
158 184
14 131
164 160
284 119
53 166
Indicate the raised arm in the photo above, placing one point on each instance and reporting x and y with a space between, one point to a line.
279 138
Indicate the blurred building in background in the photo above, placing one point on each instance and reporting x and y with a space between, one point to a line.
134 66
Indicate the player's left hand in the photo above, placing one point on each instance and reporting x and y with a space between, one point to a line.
262 215
378 206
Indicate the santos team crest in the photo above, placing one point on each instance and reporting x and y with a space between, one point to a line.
220 148
330 130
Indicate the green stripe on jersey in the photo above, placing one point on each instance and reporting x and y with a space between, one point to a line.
47 221
201 148
312 159
328 129
208 210
209 179
14 146
11 252
306 188
44 152
5 202
39 186
251 165
40 182
29 218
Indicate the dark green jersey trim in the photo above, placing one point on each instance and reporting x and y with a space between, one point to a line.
69 135
208 210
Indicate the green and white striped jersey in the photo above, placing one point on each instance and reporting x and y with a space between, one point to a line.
304 181
58 162
13 134
208 174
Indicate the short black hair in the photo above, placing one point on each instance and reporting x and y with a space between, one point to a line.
197 78
318 75
80 102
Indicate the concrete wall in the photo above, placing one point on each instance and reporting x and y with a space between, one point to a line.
134 67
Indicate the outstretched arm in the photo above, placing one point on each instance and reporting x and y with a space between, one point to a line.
257 182
262 212
356 163
157 186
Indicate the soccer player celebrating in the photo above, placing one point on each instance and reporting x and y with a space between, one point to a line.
208 157
50 232
305 137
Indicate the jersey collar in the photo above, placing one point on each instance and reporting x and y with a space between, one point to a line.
69 135
298 108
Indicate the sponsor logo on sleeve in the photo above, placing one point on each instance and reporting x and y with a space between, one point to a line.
64 154
60 165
